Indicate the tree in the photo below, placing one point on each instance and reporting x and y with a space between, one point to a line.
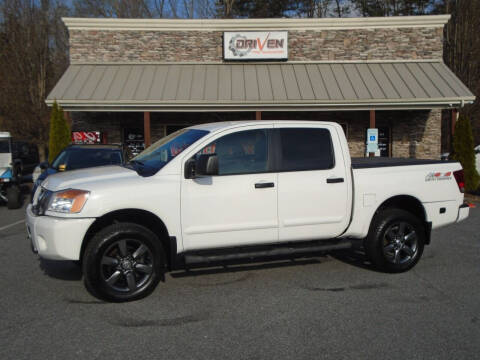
60 135
33 43
464 153
393 7
257 8
462 49
116 8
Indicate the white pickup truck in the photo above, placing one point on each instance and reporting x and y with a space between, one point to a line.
239 190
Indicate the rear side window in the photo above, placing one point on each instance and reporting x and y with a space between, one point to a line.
305 149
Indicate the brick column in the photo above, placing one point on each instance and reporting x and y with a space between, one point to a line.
146 128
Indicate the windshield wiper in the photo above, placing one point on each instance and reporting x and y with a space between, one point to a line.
137 162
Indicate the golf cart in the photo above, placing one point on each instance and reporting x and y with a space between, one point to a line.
10 174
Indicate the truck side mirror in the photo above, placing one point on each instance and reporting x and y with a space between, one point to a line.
207 164
190 169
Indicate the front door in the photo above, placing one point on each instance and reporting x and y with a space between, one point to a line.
313 192
239 205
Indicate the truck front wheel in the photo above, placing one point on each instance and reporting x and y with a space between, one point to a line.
14 197
123 262
395 241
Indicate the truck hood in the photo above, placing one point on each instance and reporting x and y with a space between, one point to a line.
84 178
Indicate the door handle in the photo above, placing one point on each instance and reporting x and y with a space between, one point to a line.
264 185
334 180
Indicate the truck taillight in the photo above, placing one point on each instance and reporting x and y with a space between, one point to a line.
460 178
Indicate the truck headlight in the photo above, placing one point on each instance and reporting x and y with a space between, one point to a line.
68 201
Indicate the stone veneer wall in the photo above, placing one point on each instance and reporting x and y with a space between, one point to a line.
413 133
206 46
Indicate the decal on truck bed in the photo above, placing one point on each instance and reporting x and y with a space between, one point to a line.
435 176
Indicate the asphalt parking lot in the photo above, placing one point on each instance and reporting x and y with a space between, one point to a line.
328 307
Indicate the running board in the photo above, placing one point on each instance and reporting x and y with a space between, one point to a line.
251 252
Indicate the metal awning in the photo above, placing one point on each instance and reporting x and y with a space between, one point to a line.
260 86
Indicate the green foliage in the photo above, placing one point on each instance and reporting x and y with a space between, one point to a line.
463 151
60 135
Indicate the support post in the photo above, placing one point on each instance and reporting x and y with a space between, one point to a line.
454 120
146 128
372 126
66 115
258 115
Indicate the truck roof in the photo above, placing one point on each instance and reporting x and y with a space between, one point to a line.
232 124
95 146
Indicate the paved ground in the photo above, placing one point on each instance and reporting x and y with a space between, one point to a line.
328 307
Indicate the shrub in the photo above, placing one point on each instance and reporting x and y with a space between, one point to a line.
463 151
60 135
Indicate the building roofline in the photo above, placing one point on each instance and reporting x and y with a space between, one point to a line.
303 24
236 62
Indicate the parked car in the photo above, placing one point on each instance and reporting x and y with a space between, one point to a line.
25 157
240 190
17 159
80 156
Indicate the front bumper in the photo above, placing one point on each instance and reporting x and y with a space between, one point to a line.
463 212
56 238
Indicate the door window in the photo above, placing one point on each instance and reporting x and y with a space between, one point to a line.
243 152
306 149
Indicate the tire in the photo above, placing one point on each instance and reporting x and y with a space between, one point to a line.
395 241
123 262
14 197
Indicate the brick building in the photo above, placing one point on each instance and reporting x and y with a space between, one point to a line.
137 80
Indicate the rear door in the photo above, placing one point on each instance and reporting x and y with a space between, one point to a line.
313 194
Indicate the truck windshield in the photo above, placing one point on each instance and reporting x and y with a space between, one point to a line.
155 157
80 158
4 146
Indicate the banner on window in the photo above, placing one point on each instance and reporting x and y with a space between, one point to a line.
86 137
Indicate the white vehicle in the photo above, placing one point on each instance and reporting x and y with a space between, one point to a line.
239 190
10 192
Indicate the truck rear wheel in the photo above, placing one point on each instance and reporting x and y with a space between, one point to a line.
123 262
14 197
395 241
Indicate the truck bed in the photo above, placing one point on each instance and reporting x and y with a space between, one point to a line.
376 162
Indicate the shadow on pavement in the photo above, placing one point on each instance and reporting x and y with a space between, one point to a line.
355 257
62 270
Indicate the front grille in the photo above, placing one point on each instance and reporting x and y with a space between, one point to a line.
41 204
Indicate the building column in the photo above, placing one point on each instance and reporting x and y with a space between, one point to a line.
372 126
146 129
454 117
258 115
66 115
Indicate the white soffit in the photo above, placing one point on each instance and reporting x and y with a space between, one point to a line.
316 24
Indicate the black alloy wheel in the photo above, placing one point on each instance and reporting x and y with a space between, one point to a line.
123 262
126 265
395 241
